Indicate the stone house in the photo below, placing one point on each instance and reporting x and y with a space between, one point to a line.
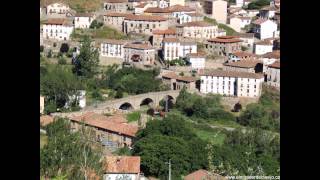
240 55
269 58
57 29
113 48
144 24
119 6
223 45
115 20
57 9
198 30
122 167
159 35
83 20
178 82
111 131
247 39
273 74
139 53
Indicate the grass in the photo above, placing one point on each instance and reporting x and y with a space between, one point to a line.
217 137
79 5
134 116
229 30
101 33
43 140
223 123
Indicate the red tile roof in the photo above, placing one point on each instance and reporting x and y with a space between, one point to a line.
122 164
170 40
143 46
276 64
162 32
57 21
45 120
243 54
180 8
84 15
225 40
145 18
157 10
172 75
244 63
115 14
198 175
222 73
272 55
112 123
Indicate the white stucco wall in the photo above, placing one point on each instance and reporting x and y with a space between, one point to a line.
59 32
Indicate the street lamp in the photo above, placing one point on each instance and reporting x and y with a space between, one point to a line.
169 163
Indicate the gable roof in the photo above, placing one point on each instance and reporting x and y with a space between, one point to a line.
145 18
225 39
243 54
243 63
198 175
122 164
276 65
115 14
223 73
272 55
143 46
162 32
57 21
172 75
196 24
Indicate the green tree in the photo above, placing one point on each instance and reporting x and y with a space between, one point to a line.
86 64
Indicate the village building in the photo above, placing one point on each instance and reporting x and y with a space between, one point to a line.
41 104
203 175
250 66
174 48
179 10
223 45
252 13
139 53
267 12
115 20
198 30
57 9
83 20
273 74
144 24
238 23
275 3
217 9
159 35
119 6
269 58
197 60
139 9
157 11
113 48
276 44
122 167
264 28
247 39
231 83
112 131
240 55
239 3
176 82
176 2
262 47
57 29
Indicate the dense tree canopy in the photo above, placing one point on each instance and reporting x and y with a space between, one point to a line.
258 4
172 139
132 80
86 63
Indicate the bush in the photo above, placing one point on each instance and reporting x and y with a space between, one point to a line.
95 24
49 55
64 48
62 61
119 94
41 48
181 73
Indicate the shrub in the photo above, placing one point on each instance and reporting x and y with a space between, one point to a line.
49 55
64 48
62 61
41 48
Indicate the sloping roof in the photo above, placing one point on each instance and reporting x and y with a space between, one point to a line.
143 46
157 10
244 63
198 54
145 18
90 116
115 14
46 119
122 164
116 1
243 54
115 41
259 21
84 15
264 42
276 64
110 124
166 31
225 39
57 21
272 55
172 75
194 14
198 175
196 24
180 8
222 73
170 40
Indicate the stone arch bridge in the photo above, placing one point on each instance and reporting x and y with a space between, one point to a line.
134 102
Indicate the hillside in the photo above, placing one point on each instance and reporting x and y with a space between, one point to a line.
78 5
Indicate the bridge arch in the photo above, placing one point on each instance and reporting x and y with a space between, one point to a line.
126 106
147 101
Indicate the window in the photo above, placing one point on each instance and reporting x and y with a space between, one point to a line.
255 86
247 90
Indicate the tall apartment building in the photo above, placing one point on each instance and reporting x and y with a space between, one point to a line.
57 29
217 9
144 24
231 83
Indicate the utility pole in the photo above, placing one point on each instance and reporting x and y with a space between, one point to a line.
169 176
